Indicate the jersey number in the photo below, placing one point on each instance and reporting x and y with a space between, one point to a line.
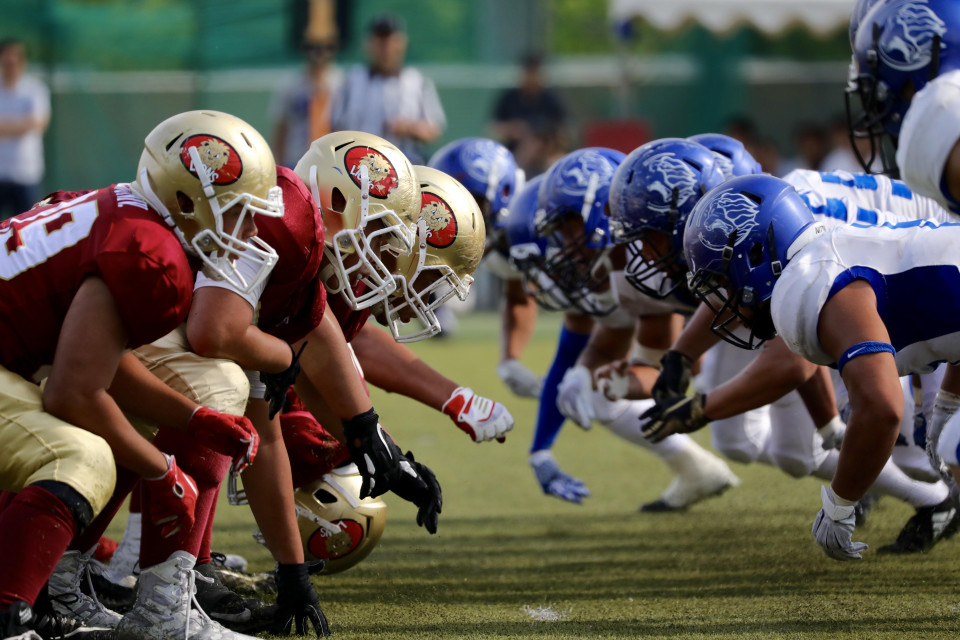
35 239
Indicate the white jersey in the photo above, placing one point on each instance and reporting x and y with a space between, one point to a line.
914 269
930 130
839 197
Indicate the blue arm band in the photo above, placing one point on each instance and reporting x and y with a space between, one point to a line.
862 349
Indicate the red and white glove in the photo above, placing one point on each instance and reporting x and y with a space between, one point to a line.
173 498
480 418
226 434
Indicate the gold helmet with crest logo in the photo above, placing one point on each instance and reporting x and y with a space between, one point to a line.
198 165
369 198
450 243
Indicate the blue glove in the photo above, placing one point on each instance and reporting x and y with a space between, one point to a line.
554 481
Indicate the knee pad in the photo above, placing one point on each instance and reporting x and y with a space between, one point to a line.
793 466
78 506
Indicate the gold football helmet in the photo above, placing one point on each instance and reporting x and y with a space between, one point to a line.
198 165
450 242
335 524
369 198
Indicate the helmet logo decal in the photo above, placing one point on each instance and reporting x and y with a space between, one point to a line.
219 161
478 159
383 175
905 43
441 223
667 172
326 545
731 211
723 163
575 176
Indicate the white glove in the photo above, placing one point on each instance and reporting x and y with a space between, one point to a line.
519 379
832 433
480 418
944 408
613 381
575 396
833 529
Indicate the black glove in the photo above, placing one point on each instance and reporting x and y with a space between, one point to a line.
674 376
297 600
374 452
277 384
418 485
677 414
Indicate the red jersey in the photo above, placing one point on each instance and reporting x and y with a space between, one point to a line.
111 234
351 321
293 301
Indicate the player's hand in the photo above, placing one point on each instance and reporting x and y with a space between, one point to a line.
419 485
519 379
613 380
575 396
674 376
832 433
173 498
277 384
833 529
554 481
677 414
229 435
374 452
297 602
480 418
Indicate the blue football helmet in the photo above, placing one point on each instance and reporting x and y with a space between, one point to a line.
899 46
572 202
489 172
737 241
732 157
654 190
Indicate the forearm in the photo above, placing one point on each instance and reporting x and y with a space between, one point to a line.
250 348
327 365
867 445
817 395
138 392
605 346
518 315
396 369
641 381
268 484
697 336
20 126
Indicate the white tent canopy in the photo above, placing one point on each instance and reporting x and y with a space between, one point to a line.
771 16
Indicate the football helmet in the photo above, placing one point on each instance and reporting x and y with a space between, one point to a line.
572 216
654 190
488 171
217 162
732 157
899 46
738 239
450 242
335 524
370 200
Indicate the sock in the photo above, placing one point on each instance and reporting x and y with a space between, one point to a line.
549 419
892 481
35 531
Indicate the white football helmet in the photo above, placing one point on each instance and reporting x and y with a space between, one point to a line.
198 165
370 199
450 243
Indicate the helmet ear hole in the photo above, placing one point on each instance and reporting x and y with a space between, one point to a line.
756 255
324 496
185 203
338 202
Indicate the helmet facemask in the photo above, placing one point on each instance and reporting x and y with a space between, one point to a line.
660 275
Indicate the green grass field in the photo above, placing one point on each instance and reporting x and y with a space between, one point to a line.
509 562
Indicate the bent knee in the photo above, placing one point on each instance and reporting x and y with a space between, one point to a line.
793 466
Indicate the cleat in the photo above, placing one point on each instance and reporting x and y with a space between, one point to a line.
167 608
118 597
66 597
699 475
246 584
924 529
16 622
54 626
220 603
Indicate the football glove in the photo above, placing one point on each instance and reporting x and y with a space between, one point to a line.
677 414
575 396
374 452
833 529
832 433
173 498
297 601
944 408
613 380
418 485
229 435
519 379
674 376
554 481
480 418
277 384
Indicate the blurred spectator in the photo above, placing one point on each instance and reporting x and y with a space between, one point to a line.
300 112
386 98
24 116
841 156
812 145
530 118
767 153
